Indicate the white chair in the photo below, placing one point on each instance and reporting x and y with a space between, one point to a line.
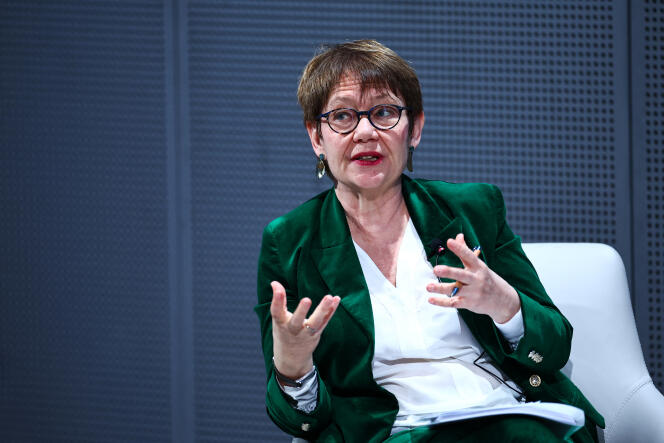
587 282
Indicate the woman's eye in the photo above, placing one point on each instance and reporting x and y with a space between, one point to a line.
341 116
385 112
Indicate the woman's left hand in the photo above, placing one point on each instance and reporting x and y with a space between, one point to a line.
482 291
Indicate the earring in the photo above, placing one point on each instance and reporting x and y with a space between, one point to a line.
320 166
409 162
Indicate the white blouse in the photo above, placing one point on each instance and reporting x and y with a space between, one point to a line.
424 353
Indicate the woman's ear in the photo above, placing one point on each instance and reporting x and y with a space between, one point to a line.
416 133
315 137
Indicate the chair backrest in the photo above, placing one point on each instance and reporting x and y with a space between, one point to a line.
587 282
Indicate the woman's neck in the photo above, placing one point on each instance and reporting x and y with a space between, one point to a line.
373 216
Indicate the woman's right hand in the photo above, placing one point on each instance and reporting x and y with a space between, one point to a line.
295 336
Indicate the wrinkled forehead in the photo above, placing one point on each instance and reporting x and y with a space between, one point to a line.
352 88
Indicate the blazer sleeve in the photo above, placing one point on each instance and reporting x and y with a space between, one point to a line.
273 266
546 344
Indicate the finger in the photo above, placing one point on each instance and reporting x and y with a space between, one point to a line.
323 312
296 322
447 302
460 249
326 319
278 306
441 288
458 274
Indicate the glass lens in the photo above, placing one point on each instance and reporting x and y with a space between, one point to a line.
342 120
385 116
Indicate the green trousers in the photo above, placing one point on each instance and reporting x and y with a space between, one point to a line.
499 429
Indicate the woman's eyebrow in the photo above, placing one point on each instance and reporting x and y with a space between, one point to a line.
384 95
342 100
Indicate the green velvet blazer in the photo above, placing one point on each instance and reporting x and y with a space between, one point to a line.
310 251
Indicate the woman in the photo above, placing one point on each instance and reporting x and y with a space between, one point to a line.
424 303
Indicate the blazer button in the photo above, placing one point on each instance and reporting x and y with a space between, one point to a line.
305 426
535 381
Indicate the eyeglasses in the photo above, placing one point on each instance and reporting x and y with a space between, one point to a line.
521 397
345 120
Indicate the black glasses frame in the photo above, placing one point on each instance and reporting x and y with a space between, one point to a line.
359 116
521 395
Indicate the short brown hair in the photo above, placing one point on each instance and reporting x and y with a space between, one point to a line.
373 64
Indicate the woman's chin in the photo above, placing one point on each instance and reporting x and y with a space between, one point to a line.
372 182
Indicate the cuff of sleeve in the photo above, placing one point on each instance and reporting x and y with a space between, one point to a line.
306 396
283 411
513 329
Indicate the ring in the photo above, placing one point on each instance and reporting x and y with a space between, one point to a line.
311 330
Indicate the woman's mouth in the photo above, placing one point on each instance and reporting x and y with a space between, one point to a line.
367 158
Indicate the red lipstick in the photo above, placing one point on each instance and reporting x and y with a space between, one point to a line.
367 158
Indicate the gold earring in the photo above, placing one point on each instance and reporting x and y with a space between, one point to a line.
409 162
320 166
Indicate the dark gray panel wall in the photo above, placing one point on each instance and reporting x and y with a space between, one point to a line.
648 178
84 313
532 96
144 145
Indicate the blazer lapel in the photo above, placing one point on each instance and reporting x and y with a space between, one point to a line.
338 265
435 223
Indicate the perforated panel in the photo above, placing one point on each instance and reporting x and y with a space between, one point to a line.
648 120
84 319
529 95
525 95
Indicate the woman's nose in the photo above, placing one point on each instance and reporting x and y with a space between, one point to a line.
364 130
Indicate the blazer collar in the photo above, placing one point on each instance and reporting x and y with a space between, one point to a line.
435 223
337 262
432 219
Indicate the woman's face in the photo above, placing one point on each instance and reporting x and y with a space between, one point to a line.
366 160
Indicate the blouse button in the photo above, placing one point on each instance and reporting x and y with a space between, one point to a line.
535 381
